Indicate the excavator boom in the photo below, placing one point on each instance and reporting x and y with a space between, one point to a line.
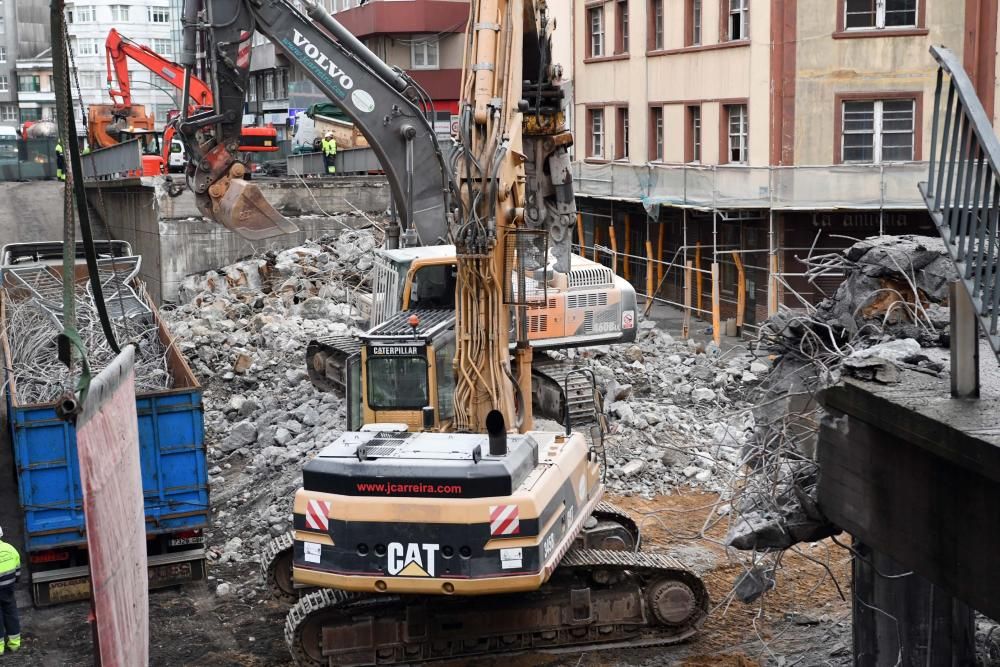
118 49
386 105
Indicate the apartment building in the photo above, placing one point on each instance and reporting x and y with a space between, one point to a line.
752 134
148 23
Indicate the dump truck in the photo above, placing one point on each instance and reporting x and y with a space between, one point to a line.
171 449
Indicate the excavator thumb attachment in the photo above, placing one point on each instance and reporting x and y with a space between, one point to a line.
243 209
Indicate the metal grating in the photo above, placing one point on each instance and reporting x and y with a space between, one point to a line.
525 250
591 276
592 300
399 325
962 191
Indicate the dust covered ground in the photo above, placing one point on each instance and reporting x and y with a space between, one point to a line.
802 621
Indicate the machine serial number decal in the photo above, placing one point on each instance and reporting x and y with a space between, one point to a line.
510 559
411 559
312 552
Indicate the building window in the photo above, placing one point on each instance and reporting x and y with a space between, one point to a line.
3 25
119 13
739 19
621 134
8 112
595 18
30 114
596 134
89 80
656 134
81 14
4 83
163 46
621 33
424 54
252 89
736 115
694 22
878 14
656 25
269 86
86 47
694 134
158 14
878 131
3 54
28 83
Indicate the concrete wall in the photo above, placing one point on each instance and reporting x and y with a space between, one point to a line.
175 241
827 67
31 211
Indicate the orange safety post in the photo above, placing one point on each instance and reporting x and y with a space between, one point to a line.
772 287
698 276
579 231
627 269
741 290
649 274
614 247
686 326
659 255
716 307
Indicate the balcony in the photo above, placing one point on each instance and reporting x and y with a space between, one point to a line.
36 96
418 16
860 186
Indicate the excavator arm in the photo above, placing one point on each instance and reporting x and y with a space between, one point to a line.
118 49
384 103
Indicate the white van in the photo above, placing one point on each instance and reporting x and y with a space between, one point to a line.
178 157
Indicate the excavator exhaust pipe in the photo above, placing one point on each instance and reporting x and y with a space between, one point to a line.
243 209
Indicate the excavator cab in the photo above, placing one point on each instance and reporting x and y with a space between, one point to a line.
402 372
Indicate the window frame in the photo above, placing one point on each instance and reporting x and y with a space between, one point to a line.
726 21
693 134
917 96
595 149
726 135
121 13
622 131
37 83
13 115
152 11
595 47
4 83
3 54
622 36
656 149
656 39
842 32
163 46
425 46
694 23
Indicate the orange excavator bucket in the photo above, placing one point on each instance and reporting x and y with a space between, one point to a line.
243 209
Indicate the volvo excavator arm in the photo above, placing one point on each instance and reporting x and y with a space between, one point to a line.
385 104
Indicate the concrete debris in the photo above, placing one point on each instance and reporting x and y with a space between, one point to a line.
752 584
244 330
892 303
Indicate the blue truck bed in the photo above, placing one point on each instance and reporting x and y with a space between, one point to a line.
174 479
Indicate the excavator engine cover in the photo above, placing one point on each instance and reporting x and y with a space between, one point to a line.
243 209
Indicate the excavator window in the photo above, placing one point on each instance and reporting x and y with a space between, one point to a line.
434 287
397 383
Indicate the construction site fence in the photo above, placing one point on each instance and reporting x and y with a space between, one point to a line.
27 159
710 187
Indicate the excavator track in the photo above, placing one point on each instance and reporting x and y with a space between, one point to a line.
276 568
595 598
326 362
607 514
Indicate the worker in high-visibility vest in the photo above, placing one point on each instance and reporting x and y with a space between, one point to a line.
329 152
10 570
60 162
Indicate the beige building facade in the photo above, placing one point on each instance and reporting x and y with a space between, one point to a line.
751 133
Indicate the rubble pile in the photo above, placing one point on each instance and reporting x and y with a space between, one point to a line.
892 305
244 330
678 410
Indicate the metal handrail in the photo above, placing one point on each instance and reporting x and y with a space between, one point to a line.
962 191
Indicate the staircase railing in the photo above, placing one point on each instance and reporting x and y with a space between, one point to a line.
962 194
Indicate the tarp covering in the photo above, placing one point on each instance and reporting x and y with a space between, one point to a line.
108 442
854 186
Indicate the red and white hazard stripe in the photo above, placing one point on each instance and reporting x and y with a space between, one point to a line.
318 515
504 520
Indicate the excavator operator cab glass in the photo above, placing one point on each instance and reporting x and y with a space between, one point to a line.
397 382
444 373
434 287
149 142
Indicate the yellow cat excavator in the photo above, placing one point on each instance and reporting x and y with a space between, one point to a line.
473 534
